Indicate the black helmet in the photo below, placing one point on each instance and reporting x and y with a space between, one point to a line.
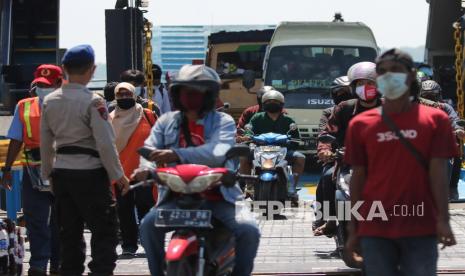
431 90
197 77
341 83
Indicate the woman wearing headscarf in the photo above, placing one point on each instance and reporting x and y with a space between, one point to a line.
132 124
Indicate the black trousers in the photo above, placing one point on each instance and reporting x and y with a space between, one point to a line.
326 191
85 197
4 265
455 177
141 199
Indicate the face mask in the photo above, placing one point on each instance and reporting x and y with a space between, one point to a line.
432 96
42 92
366 93
392 85
126 103
273 107
192 101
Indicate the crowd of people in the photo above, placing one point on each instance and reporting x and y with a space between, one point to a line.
80 157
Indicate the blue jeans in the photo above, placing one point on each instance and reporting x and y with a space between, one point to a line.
412 256
247 237
41 226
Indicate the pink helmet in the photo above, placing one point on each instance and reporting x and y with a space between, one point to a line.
362 71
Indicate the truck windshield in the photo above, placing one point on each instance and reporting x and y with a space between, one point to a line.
305 73
297 67
246 57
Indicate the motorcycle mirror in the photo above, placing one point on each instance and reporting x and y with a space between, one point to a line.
145 152
238 151
248 79
326 138
229 179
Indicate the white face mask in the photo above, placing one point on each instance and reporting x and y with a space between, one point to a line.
392 85
42 92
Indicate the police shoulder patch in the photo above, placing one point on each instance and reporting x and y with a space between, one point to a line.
101 107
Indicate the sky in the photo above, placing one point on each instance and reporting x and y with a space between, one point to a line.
395 23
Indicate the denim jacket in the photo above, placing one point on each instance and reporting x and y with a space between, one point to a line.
219 134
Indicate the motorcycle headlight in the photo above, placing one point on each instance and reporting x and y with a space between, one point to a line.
268 163
174 182
201 183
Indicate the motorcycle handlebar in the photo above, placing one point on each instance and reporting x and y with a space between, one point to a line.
141 184
247 177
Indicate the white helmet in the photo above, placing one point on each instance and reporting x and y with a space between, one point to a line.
362 71
273 95
263 90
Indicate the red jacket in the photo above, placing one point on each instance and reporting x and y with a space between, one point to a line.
247 115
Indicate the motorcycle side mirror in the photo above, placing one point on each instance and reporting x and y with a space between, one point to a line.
326 138
248 79
145 152
238 151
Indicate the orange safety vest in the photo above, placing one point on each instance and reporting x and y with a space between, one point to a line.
128 156
29 115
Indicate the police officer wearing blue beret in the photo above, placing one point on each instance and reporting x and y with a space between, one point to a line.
80 159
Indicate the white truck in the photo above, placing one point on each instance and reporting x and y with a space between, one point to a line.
302 60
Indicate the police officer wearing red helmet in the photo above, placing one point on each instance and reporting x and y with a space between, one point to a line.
37 200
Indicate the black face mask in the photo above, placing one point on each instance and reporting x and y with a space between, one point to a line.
435 97
126 103
273 107
342 98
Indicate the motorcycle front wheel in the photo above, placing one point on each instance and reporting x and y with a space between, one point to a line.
184 267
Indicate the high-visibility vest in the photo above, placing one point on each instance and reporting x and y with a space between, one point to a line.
29 114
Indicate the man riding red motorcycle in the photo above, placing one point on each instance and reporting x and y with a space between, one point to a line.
196 134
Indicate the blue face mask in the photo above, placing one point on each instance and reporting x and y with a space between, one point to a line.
392 85
42 92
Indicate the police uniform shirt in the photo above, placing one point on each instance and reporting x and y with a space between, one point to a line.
74 116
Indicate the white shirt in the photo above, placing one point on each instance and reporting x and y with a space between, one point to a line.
163 101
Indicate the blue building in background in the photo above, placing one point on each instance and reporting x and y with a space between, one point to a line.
174 46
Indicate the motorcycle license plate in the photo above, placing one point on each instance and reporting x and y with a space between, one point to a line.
183 218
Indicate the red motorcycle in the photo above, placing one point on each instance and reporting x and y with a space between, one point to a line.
200 245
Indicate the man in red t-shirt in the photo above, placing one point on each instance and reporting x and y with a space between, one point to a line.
412 196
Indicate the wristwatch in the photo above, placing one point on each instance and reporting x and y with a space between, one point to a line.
6 169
